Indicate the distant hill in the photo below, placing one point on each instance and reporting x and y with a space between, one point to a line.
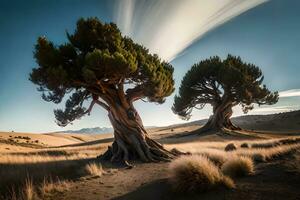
287 121
95 130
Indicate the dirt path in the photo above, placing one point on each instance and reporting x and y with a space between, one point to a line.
117 182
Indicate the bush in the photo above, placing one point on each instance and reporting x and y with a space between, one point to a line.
288 141
265 145
230 147
244 145
190 174
238 166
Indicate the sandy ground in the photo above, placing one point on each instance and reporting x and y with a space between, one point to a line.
278 179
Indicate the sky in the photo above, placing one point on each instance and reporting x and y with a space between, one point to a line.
265 33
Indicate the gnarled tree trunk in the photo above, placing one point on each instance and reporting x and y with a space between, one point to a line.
220 119
131 141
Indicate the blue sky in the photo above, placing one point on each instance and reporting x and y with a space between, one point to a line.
266 34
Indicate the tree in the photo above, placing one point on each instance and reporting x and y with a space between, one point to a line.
223 84
99 65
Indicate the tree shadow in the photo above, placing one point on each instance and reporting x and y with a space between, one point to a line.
154 190
13 175
101 141
162 190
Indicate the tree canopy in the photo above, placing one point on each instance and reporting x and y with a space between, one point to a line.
218 82
96 62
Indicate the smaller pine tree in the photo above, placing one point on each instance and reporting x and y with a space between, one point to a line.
222 84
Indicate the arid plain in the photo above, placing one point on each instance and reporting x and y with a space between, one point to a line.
64 166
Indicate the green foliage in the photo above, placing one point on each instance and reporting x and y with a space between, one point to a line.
213 81
97 53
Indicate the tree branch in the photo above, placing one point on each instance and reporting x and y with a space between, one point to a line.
96 101
102 104
134 94
88 111
121 94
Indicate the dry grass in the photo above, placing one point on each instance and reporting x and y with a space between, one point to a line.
238 166
218 157
189 174
29 190
46 190
64 163
263 154
49 155
48 187
94 169
269 149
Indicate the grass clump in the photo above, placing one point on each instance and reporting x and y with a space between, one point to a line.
48 187
230 147
191 174
218 157
245 145
29 190
238 166
94 169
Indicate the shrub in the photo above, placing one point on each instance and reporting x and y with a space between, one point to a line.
238 166
288 141
230 147
259 157
244 145
191 174
265 145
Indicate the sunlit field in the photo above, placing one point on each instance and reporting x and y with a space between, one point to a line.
49 171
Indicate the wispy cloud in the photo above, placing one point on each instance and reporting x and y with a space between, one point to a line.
290 93
276 109
167 27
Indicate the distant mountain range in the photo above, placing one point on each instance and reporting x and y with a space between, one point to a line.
279 121
95 130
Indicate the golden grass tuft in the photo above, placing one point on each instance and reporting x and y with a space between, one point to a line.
264 154
49 187
238 166
94 169
29 190
196 173
218 157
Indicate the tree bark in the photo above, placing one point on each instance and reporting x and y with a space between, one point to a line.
131 141
220 119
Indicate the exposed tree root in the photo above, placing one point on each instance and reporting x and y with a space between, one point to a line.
146 150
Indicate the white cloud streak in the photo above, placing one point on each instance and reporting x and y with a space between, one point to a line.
290 93
167 27
270 110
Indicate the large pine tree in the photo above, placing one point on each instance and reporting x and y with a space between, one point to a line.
223 84
99 65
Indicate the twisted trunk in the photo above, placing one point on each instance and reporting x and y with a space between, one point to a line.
131 141
220 119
